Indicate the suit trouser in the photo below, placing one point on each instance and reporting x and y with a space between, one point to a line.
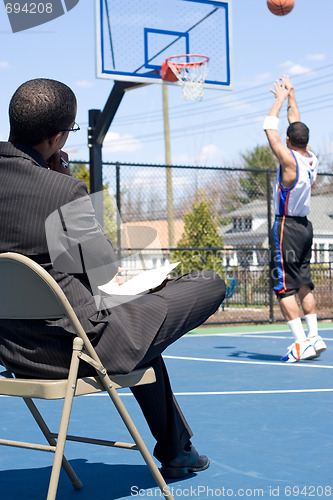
191 299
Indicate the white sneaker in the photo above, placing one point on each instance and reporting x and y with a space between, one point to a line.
299 350
318 343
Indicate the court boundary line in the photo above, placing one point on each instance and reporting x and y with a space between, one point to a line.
276 391
248 335
226 393
212 360
219 393
193 333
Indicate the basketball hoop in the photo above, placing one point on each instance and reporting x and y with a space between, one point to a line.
190 70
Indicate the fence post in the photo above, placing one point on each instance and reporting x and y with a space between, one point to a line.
118 201
96 169
99 124
269 224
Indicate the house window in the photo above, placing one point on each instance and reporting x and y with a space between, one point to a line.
242 224
330 252
247 224
321 252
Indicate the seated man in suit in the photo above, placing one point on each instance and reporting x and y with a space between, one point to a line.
126 336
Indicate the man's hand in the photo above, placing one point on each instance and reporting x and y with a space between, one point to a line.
280 90
59 162
117 279
288 84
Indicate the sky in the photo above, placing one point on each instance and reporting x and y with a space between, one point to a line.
216 131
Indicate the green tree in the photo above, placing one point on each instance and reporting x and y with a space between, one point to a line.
254 183
80 171
200 231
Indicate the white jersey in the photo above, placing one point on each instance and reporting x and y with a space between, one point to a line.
295 200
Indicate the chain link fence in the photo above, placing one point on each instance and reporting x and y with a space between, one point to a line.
159 197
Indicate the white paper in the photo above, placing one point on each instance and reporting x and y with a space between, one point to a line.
140 283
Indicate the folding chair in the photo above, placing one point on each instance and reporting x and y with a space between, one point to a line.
27 291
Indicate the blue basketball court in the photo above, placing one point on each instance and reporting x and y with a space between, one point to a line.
266 426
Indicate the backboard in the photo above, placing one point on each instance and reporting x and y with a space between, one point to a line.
134 37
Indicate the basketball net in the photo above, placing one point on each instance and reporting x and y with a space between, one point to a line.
190 70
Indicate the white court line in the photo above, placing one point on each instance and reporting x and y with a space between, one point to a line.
226 393
231 334
244 334
250 335
329 329
215 393
246 362
278 391
254 336
237 335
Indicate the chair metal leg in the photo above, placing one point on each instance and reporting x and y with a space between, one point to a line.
136 436
66 411
77 484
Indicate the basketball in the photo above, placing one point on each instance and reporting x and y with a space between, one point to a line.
280 7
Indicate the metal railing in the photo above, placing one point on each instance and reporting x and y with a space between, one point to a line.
240 199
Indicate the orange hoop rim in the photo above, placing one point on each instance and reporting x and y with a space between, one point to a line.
192 64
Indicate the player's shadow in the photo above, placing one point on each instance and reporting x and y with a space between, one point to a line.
250 355
225 347
254 356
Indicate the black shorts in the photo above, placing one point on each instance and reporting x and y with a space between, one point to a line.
290 245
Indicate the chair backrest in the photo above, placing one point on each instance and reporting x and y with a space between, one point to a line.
27 291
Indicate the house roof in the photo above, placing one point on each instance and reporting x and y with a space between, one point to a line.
256 208
254 237
149 233
321 217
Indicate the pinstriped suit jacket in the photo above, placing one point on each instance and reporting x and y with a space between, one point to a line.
29 193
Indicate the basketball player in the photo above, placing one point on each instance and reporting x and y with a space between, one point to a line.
291 235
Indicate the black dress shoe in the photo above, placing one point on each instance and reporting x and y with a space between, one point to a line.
184 463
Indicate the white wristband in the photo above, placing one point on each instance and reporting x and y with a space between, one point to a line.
271 122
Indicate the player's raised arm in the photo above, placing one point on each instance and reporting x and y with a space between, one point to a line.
292 110
271 122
